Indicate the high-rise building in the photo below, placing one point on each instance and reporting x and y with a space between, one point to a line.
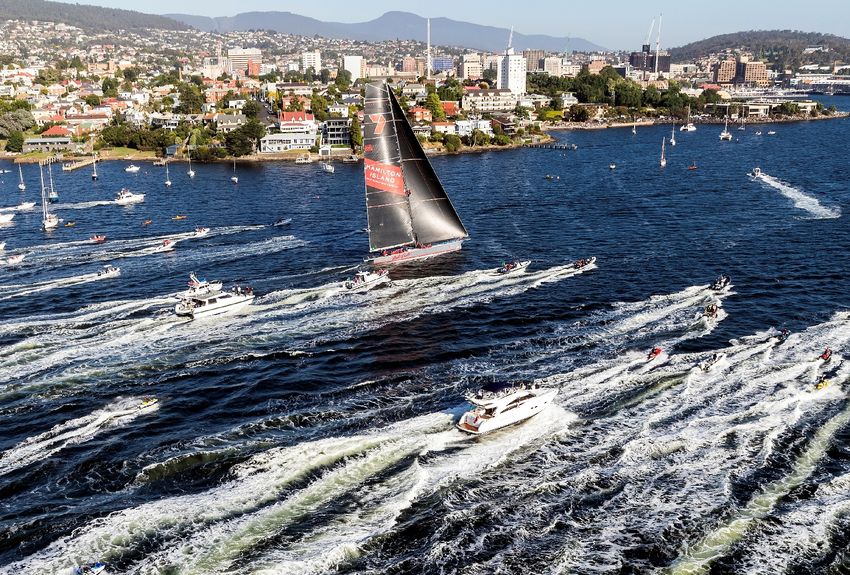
311 59
470 67
532 59
511 72
239 58
725 71
215 66
756 73
355 66
442 63
408 64
552 65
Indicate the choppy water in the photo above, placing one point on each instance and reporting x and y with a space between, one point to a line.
313 431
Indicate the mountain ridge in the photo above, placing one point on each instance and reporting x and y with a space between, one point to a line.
389 26
85 16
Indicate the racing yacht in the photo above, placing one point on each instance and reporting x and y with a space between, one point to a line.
501 404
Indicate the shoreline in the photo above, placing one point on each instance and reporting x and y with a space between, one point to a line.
708 122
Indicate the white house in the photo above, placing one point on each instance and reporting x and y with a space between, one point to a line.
273 143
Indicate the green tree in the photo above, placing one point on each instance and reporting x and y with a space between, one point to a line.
319 106
324 76
15 143
710 96
452 143
254 130
432 102
238 143
343 80
191 99
578 113
93 100
490 75
109 87
355 132
251 109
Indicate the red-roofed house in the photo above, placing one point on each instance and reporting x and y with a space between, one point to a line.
420 114
450 108
56 132
297 122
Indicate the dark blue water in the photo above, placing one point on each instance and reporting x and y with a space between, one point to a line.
312 431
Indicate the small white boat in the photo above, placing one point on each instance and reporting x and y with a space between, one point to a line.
91 569
688 126
190 172
165 246
721 283
282 222
24 206
6 218
327 168
663 161
2 246
109 271
132 169
758 133
234 178
200 286
305 159
501 405
125 196
366 280
167 177
199 232
711 362
511 267
755 173
49 222
584 262
215 302
16 259
771 133
98 238
726 135
612 166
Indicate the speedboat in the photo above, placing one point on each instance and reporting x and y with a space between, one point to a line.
25 206
710 311
693 166
282 222
212 303
91 569
98 238
165 246
514 266
6 218
720 283
771 133
758 133
132 169
109 271
179 217
708 364
125 196
584 262
201 232
365 279
755 173
784 334
327 168
200 286
499 405
13 260
147 403
612 166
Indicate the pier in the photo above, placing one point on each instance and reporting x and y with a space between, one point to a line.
552 146
71 166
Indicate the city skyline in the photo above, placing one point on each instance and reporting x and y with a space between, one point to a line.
625 32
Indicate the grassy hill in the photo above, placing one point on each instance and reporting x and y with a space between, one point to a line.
82 16
782 49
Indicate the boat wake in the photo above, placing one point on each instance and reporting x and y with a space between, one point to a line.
71 432
801 200
20 290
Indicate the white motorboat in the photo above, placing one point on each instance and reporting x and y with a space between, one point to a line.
688 126
771 133
584 262
199 232
755 173
109 271
366 280
511 267
98 568
6 218
721 283
500 405
215 302
711 362
125 197
2 246
24 206
16 259
132 169
165 246
612 166
327 168
200 286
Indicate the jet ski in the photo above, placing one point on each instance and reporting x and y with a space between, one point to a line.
513 266
708 364
822 383
720 283
826 355
147 403
654 353
179 217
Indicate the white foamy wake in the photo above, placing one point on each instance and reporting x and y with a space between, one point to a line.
71 432
801 200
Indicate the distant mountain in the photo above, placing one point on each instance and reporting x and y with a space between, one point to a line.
783 49
82 16
390 26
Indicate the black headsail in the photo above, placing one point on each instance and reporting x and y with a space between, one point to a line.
406 204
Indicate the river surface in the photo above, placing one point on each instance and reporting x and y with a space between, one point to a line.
312 431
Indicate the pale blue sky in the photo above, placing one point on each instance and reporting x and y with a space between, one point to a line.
613 24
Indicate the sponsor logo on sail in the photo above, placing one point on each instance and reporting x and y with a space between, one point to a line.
379 122
384 177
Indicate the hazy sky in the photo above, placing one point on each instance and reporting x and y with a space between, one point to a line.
613 24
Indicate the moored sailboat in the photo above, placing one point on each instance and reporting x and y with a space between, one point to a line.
726 135
663 159
48 220
410 216
673 136
21 186
688 126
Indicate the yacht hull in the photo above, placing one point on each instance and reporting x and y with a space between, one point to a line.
528 409
416 253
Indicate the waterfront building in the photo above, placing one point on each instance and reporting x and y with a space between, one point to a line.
466 127
337 132
225 123
511 74
483 101
723 72
276 143
47 144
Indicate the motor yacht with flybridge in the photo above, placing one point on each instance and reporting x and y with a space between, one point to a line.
499 405
214 302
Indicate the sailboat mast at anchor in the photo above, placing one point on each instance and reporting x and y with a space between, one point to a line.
410 216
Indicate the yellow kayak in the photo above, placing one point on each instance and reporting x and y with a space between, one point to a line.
179 218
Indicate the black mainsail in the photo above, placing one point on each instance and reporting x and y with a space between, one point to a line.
406 204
